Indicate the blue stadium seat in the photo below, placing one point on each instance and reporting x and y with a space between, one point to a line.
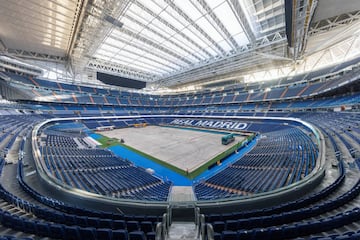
81 221
146 226
93 222
218 226
17 223
57 231
29 227
151 236
232 225
118 224
217 236
132 226
229 235
137 235
88 233
105 223
43 229
104 233
120 234
72 233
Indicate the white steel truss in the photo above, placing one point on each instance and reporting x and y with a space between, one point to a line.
35 55
161 40
334 22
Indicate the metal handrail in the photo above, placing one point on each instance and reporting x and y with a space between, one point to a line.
159 235
210 232
202 226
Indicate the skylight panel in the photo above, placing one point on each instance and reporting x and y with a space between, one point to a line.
194 37
152 36
138 67
147 68
114 42
174 48
197 37
186 44
227 17
137 64
153 6
140 15
209 29
192 48
164 61
188 9
159 62
224 45
214 3
172 17
110 49
241 39
103 54
154 50
132 25
120 35
127 55
149 62
162 28
135 50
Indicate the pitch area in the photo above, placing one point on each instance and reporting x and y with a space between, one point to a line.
186 149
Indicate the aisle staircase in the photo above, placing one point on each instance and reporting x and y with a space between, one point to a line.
182 230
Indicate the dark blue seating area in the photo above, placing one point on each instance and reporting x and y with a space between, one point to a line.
67 222
59 225
294 230
306 216
343 127
280 158
285 207
92 124
260 170
252 224
99 171
60 141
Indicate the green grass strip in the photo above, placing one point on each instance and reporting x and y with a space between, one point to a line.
107 142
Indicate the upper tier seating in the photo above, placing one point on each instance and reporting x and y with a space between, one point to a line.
61 92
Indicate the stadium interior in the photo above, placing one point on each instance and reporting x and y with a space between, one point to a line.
180 119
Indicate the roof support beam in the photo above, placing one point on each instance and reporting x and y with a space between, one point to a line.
94 28
272 49
235 6
144 48
119 69
163 37
333 22
155 45
166 23
35 56
79 15
299 15
206 7
2 46
193 23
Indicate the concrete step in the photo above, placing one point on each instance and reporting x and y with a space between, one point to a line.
182 194
182 230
